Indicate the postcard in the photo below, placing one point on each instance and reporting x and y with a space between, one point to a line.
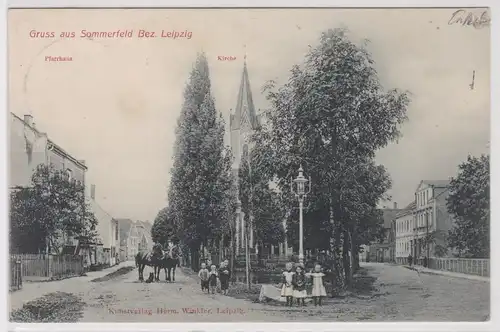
249 165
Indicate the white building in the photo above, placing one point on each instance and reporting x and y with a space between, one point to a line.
135 237
404 233
107 232
424 225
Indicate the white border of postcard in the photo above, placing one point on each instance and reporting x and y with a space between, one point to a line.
491 325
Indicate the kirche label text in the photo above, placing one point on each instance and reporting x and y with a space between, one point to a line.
226 58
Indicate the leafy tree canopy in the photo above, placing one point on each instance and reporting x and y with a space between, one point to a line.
201 174
331 117
51 207
469 204
163 228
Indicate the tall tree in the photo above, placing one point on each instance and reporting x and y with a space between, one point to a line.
51 208
332 116
262 202
200 174
469 203
163 228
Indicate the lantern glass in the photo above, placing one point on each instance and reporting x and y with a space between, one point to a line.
300 187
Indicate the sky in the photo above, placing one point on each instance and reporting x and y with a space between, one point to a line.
116 104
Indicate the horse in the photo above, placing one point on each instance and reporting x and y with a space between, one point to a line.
169 262
153 259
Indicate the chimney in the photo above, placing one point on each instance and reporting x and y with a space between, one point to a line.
395 205
92 191
28 118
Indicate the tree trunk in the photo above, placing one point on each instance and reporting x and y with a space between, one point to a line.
354 253
356 259
195 259
247 259
232 253
338 279
202 249
221 249
345 257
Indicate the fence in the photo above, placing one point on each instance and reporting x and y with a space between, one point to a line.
480 267
16 279
34 265
66 265
47 266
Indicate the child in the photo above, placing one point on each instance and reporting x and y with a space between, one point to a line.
224 277
212 278
318 289
203 274
299 286
287 289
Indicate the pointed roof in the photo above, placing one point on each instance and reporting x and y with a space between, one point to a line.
245 109
407 210
434 183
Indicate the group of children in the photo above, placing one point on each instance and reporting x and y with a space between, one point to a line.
295 283
209 277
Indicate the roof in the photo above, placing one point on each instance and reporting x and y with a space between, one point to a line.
389 216
447 189
407 209
55 147
437 183
147 226
434 183
244 95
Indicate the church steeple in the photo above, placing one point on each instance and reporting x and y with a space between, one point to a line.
244 115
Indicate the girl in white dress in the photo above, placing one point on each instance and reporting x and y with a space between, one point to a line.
318 289
299 285
287 288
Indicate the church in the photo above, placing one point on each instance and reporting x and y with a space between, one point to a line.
244 120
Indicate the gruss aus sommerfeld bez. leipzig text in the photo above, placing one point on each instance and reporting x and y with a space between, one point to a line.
141 33
174 34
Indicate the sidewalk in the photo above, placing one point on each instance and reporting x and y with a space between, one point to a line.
425 270
34 290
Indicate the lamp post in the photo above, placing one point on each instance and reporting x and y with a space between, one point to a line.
301 193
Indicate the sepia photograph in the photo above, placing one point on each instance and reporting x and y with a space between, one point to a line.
248 165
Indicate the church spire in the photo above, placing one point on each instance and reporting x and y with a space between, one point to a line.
245 115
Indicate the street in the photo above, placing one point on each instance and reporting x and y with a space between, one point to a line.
400 295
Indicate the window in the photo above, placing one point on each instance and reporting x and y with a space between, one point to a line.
116 232
69 174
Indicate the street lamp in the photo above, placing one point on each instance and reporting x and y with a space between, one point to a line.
301 193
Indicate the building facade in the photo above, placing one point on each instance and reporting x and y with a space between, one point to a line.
404 233
135 237
383 251
431 220
29 147
108 235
